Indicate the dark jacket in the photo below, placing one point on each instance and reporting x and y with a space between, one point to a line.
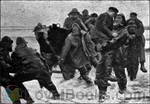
5 66
104 24
27 60
139 31
120 54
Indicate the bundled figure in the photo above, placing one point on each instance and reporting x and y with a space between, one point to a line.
31 66
101 34
77 51
119 56
136 52
8 81
74 17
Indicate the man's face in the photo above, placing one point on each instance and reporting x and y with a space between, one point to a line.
74 16
112 14
118 20
85 13
133 17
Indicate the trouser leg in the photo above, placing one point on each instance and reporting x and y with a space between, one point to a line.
67 71
43 77
121 76
83 73
132 70
100 79
25 94
45 80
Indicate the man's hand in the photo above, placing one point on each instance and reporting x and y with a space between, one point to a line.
114 34
83 32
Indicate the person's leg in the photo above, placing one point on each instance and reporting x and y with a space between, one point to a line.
108 66
67 71
100 80
83 73
121 77
25 94
45 80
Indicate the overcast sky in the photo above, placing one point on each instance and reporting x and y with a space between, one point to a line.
29 13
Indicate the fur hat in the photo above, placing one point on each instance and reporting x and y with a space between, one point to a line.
6 39
133 14
74 11
114 9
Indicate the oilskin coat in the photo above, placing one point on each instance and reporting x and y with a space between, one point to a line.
31 67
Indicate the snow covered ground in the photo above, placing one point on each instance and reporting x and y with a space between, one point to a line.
75 91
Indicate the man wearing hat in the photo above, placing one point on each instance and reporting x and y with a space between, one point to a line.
100 35
30 66
136 53
5 68
74 17
140 35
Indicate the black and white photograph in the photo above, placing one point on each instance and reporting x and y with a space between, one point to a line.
75 52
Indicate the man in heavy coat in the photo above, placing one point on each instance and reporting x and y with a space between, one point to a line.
100 35
119 56
6 68
30 66
141 38
135 50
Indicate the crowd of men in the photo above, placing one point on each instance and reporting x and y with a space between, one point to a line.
84 47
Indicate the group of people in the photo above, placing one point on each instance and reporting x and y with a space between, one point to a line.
104 29
107 42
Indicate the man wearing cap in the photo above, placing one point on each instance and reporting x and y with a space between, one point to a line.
7 80
74 17
30 66
141 39
85 15
100 35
